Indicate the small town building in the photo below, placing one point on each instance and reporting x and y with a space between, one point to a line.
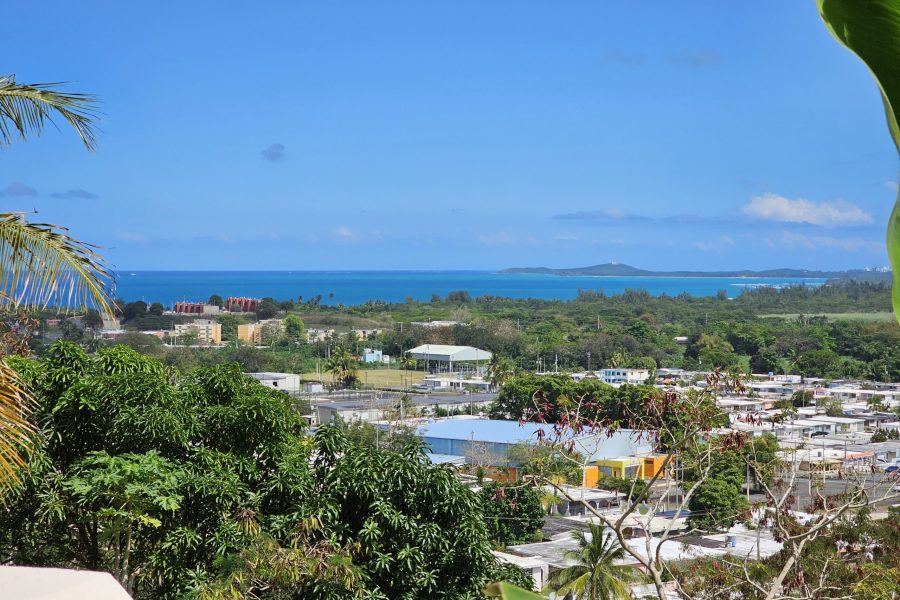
620 376
440 358
208 332
283 382
492 442
370 355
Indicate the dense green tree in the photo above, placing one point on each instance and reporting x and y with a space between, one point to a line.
134 310
420 533
295 329
513 512
765 360
819 363
268 308
229 325
716 504
216 300
500 369
142 342
459 297
204 483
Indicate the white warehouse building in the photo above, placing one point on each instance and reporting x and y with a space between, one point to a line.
439 358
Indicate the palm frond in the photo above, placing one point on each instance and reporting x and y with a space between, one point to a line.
27 108
41 264
15 428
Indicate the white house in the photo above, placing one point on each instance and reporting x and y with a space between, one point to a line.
283 382
842 424
632 376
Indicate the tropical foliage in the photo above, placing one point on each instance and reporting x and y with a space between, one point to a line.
871 30
513 513
343 366
205 484
594 574
40 264
500 369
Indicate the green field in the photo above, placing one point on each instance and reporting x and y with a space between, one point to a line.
871 317
376 377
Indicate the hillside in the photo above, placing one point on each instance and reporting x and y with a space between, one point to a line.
623 270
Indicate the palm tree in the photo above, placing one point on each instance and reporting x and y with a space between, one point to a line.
407 362
40 264
26 109
342 366
500 369
594 576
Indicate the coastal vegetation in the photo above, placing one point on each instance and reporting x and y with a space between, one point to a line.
833 331
205 484
40 264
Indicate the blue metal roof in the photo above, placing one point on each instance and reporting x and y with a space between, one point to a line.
456 436
484 430
441 459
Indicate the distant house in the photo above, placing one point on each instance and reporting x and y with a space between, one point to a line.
283 382
630 376
372 356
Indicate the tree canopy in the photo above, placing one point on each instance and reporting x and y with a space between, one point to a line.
205 483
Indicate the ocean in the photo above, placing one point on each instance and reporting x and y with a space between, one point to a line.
358 287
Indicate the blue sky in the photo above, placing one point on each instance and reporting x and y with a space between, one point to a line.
468 134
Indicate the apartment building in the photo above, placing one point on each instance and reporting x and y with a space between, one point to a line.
208 332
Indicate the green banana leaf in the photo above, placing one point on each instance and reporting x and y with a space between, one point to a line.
871 30
507 591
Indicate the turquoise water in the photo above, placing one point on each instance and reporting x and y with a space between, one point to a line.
357 287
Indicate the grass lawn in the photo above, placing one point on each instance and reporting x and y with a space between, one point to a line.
377 377
871 317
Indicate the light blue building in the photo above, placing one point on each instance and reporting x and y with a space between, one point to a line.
372 356
494 439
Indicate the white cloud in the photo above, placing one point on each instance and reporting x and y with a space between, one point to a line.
345 233
891 185
772 207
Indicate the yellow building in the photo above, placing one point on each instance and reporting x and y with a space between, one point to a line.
591 476
250 333
624 467
207 332
264 331
652 464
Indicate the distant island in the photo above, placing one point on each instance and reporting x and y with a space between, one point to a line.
623 270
